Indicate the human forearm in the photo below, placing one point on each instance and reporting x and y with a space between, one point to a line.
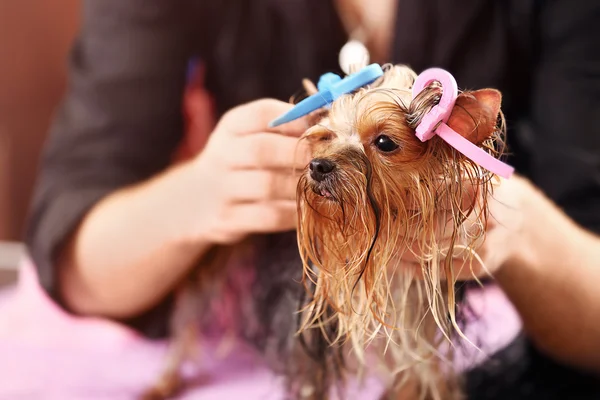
134 246
553 282
127 254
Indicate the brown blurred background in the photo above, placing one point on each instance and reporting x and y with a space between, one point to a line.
35 37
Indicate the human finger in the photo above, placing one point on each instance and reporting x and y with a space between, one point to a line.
256 116
261 185
268 151
264 217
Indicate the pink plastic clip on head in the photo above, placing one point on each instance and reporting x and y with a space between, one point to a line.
442 111
435 122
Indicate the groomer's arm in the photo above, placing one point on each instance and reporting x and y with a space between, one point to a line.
555 279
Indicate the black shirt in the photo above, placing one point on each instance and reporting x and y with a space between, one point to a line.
121 118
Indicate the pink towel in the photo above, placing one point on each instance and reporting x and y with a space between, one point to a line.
46 354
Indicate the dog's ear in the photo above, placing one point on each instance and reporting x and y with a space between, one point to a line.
475 114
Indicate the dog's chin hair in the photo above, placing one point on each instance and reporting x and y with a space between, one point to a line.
352 267
358 291
349 247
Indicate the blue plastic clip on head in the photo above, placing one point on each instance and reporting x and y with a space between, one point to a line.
331 86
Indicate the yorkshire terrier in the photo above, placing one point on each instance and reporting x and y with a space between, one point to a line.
381 217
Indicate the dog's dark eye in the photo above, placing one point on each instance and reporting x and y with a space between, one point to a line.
385 144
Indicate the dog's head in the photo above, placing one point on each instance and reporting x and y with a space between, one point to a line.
374 194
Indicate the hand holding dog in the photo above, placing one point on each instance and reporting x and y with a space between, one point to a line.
504 234
504 231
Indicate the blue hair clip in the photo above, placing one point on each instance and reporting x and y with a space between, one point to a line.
331 86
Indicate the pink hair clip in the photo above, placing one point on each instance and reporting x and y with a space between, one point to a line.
435 122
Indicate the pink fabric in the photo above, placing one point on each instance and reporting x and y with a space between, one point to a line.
47 354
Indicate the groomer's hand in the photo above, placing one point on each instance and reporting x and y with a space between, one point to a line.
504 234
244 180
137 243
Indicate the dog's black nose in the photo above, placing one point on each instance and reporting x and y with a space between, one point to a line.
319 168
